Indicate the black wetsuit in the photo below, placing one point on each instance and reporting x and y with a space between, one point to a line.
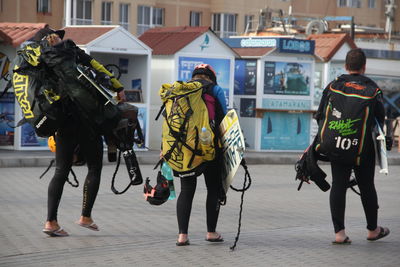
185 199
364 173
73 133
76 130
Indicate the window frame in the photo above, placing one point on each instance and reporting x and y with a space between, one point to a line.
248 19
124 22
371 3
341 4
75 20
149 17
221 24
106 17
40 6
195 18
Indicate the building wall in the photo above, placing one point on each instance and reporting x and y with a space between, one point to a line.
177 11
26 11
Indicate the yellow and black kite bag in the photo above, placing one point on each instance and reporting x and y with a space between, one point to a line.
185 115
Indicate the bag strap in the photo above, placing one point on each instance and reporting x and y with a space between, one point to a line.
68 180
134 180
246 185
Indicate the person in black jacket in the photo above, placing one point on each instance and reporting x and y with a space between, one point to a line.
355 66
76 129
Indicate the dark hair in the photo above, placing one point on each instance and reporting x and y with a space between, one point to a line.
355 59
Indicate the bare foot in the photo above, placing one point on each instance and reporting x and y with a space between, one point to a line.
182 238
341 236
51 225
53 229
214 237
87 222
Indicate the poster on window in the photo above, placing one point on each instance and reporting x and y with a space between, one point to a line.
247 107
391 94
245 77
335 70
29 137
285 131
287 78
221 66
7 120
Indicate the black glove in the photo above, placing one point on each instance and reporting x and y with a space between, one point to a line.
389 143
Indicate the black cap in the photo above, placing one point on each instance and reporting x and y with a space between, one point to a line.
47 31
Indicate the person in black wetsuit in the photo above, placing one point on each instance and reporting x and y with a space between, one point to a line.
212 171
355 66
74 131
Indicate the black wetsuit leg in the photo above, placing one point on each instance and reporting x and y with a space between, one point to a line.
184 202
66 142
213 187
365 178
92 148
337 198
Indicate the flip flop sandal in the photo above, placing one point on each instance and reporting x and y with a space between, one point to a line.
185 243
384 232
55 233
217 239
346 241
91 226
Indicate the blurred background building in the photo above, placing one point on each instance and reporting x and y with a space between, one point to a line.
226 17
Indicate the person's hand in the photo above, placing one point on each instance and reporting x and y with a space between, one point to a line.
121 96
389 143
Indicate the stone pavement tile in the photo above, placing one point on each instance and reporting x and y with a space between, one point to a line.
280 226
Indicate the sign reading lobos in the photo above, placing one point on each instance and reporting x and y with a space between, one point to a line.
287 45
258 42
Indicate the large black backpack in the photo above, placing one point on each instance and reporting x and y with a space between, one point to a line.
36 92
348 118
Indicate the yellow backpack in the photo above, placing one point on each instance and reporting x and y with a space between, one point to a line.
185 115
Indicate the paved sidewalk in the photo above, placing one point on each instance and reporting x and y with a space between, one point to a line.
280 226
13 158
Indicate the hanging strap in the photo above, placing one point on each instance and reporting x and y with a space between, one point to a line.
73 174
246 185
132 182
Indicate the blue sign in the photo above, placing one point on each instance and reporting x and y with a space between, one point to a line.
285 131
289 45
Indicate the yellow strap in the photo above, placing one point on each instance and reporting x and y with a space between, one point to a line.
97 66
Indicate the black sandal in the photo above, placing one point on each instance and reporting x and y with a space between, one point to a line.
384 232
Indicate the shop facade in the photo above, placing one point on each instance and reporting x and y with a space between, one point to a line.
274 91
176 51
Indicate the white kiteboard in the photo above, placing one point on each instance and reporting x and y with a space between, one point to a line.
233 145
380 147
